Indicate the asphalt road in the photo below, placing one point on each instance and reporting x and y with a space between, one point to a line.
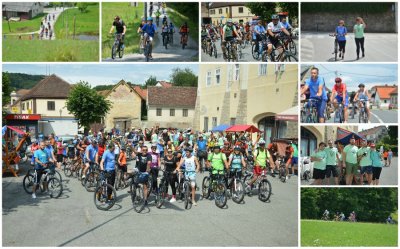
379 47
246 54
73 220
174 52
387 177
377 116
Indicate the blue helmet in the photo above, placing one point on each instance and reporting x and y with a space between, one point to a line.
150 18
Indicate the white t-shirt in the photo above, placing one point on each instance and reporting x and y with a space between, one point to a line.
275 28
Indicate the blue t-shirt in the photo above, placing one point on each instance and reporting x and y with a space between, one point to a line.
109 160
314 85
286 25
259 29
92 152
49 151
341 30
149 29
42 157
202 144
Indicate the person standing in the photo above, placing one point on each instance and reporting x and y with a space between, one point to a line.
319 159
364 158
108 165
390 156
332 157
349 156
359 36
376 159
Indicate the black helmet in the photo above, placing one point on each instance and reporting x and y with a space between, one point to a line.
190 149
361 85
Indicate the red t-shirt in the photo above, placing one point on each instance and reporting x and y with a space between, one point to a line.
340 90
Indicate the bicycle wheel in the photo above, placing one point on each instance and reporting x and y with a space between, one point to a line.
187 194
113 51
336 50
205 187
290 58
246 181
264 190
104 200
237 190
147 52
254 52
282 173
91 181
28 183
160 197
137 197
220 195
55 187
121 53
292 47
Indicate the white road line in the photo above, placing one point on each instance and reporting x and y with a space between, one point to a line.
380 120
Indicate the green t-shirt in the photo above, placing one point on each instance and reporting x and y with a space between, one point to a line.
376 158
359 30
320 164
221 141
262 157
351 153
331 154
217 161
228 30
295 151
365 160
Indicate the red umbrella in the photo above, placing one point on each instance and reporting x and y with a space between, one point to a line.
239 128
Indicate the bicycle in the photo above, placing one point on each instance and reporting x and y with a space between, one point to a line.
147 47
213 48
290 45
263 186
310 111
204 45
285 55
137 191
165 38
339 114
120 182
54 185
171 37
73 168
117 47
231 51
236 186
105 195
282 168
335 46
162 183
363 116
92 178
215 183
239 50
184 39
255 51
187 189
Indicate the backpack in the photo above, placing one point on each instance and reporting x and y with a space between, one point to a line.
236 157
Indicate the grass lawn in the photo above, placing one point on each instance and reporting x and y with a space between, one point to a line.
178 19
50 51
130 15
86 23
23 26
330 234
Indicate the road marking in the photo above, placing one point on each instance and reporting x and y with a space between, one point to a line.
380 120
88 217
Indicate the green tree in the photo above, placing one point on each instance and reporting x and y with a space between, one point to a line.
5 93
291 8
183 77
262 9
151 81
82 6
87 105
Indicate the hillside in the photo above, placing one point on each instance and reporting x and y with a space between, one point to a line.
24 81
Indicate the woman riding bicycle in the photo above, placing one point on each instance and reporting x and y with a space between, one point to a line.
362 97
340 95
236 161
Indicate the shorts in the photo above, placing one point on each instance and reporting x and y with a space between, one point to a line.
340 100
321 108
385 158
60 158
331 170
351 168
366 103
257 170
123 168
192 177
295 160
143 177
319 174
376 173
367 169
275 42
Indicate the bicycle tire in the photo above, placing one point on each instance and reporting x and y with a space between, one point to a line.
254 53
336 50
292 47
28 183
186 190
238 191
113 52
137 197
55 187
220 195
290 58
160 197
264 190
205 187
282 173
246 181
91 182
104 198
121 53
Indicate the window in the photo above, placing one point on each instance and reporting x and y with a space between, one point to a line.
172 112
233 121
262 69
218 76
308 142
237 71
23 106
159 112
212 12
208 82
51 105
185 112
219 11
27 106
240 10
226 10
206 123
214 122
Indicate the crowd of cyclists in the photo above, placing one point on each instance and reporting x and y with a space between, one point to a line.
339 216
46 30
320 102
171 151
262 36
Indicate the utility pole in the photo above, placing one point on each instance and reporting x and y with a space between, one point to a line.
73 38
145 11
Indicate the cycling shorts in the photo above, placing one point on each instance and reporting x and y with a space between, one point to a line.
275 41
340 100
321 105
257 170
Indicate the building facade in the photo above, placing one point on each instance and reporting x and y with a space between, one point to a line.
23 10
381 95
247 94
237 11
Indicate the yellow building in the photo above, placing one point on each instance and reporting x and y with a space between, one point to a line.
237 11
248 94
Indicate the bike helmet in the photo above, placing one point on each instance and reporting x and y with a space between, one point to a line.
361 85
236 148
229 21
149 18
338 79
274 17
261 142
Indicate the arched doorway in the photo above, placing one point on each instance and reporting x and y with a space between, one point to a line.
267 127
308 142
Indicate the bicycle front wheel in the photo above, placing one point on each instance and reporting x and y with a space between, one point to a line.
160 197
188 200
91 181
264 190
55 187
28 183
237 190
137 196
105 197
220 195
113 52
205 187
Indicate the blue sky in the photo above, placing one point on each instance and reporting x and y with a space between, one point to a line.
354 74
101 74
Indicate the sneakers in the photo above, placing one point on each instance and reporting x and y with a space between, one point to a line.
247 189
33 196
172 200
194 203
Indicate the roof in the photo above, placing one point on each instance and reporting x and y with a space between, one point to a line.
142 92
52 87
384 91
393 92
18 6
22 92
226 4
104 93
164 83
374 130
172 96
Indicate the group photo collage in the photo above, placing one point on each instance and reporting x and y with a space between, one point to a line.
122 120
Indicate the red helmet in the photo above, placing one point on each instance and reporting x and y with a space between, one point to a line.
338 79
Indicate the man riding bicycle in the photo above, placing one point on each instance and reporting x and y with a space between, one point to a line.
41 160
340 95
274 29
149 29
258 31
286 25
227 35
120 28
183 31
362 97
90 156
317 91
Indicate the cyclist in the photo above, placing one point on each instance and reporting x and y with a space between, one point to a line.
212 34
171 167
141 35
286 25
149 29
191 164
164 32
41 159
120 28
122 162
341 216
236 161
204 34
317 91
341 32
155 165
288 158
261 156
274 29
184 31
326 214
164 20
143 164
363 97
340 95
273 151
227 35
365 162
227 149
90 157
107 164
171 29
201 148
158 14
257 38
332 157
217 160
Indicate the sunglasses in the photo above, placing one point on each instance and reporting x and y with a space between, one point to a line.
170 151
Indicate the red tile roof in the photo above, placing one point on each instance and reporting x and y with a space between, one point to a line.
164 83
384 91
172 96
142 92
22 92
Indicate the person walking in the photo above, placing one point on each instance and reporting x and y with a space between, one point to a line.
390 155
341 32
359 36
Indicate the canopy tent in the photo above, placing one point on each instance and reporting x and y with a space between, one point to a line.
245 128
221 127
346 139
19 131
290 114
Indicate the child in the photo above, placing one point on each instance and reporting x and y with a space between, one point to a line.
341 32
122 162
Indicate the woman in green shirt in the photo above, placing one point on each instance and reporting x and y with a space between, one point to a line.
319 160
359 35
376 165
